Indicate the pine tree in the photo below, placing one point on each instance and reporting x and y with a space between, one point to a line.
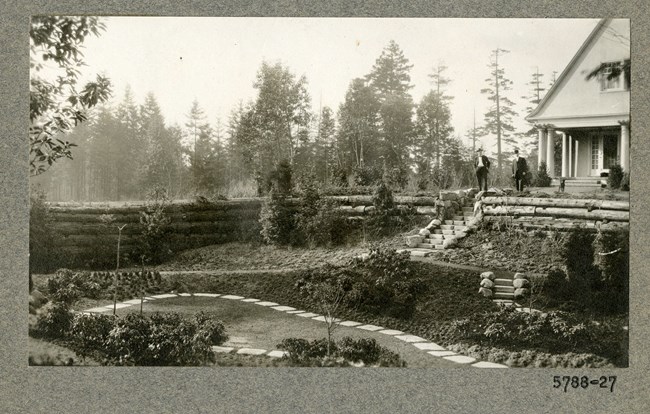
498 119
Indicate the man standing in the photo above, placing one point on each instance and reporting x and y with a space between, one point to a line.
519 171
482 165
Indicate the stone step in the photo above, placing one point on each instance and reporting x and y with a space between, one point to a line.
447 223
437 231
503 282
459 218
447 227
448 232
429 247
468 209
433 241
503 288
507 302
435 236
503 295
459 222
459 228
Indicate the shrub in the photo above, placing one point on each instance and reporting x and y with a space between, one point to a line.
339 177
625 181
162 339
396 178
277 220
366 175
154 245
280 179
612 258
319 221
542 179
55 321
66 286
89 332
304 353
615 176
213 328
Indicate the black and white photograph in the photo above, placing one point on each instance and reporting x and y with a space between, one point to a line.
330 193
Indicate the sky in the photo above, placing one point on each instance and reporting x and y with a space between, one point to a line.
215 60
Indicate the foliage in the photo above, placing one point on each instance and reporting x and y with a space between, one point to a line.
542 179
154 245
67 287
366 175
277 220
612 257
301 352
55 321
625 181
42 243
319 221
615 177
498 119
55 107
159 339
280 179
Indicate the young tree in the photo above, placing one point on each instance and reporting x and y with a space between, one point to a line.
57 106
498 119
529 138
433 129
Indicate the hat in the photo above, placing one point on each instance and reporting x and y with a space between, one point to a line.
479 150
516 151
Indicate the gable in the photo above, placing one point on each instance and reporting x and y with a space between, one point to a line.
575 97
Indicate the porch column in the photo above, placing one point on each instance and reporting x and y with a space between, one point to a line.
625 146
570 157
575 163
541 146
550 152
565 155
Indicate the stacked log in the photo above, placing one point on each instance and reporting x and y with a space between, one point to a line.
557 214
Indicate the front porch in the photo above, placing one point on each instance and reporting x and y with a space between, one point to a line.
585 151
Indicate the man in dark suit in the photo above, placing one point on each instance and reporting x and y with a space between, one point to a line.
482 166
519 171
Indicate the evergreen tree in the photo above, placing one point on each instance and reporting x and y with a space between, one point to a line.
498 119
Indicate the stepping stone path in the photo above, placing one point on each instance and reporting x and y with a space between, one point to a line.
419 343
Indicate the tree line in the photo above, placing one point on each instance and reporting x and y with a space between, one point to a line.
378 132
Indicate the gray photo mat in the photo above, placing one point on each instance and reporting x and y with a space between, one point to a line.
203 390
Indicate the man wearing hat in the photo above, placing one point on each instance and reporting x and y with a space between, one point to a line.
519 171
482 165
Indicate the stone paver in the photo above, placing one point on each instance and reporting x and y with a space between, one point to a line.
283 308
223 349
165 296
208 295
350 323
250 300
149 298
99 309
485 364
267 303
185 294
307 314
251 351
370 327
277 354
410 338
117 306
428 346
441 353
232 297
391 332
322 319
293 312
132 302
461 359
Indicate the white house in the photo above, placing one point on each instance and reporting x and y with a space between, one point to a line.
592 116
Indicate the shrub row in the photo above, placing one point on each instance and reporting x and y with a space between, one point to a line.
303 353
135 339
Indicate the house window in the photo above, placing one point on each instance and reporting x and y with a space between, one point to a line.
617 82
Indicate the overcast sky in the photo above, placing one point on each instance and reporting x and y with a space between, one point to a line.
214 60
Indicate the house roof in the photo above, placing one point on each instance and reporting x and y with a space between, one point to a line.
556 85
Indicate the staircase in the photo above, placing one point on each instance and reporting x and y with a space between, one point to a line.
503 290
581 184
448 230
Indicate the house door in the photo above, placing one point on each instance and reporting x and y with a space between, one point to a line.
604 152
596 153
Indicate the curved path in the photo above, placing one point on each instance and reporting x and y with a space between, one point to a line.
256 327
